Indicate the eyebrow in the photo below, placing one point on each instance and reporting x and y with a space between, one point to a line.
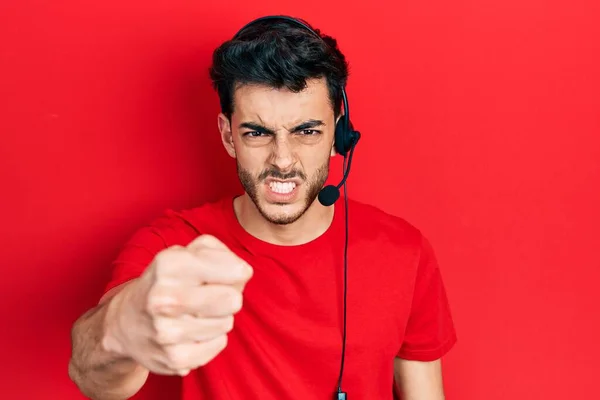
311 123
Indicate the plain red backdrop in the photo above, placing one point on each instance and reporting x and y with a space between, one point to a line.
480 124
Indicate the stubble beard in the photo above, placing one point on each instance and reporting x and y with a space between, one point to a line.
313 185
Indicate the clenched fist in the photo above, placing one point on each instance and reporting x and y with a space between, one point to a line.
176 316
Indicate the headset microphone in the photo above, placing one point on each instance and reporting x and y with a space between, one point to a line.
330 193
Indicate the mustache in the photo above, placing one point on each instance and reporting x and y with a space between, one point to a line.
275 173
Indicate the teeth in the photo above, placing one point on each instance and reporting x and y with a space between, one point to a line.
282 187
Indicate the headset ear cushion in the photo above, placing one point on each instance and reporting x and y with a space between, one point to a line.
342 137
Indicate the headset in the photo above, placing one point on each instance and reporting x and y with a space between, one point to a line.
345 141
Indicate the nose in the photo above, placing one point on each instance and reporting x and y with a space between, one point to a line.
283 153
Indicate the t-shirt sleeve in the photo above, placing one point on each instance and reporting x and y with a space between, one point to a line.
430 331
140 249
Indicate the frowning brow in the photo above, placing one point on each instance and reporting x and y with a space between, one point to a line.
310 124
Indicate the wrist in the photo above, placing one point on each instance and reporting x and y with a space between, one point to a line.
112 332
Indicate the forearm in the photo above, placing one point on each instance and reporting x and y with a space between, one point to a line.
101 374
419 380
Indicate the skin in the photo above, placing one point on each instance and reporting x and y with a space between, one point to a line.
172 319
261 136
164 322
418 380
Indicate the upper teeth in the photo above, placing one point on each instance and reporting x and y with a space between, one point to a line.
282 187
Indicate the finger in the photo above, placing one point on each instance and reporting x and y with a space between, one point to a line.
188 329
199 301
179 266
207 241
182 358
224 268
202 245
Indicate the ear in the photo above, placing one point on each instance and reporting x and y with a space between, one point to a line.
226 134
333 151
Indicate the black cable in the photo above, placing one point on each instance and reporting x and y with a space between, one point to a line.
340 394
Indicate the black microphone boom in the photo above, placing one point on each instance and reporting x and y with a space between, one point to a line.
330 193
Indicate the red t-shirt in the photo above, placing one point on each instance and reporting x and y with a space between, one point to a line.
287 339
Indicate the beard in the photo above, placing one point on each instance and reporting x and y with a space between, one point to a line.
313 186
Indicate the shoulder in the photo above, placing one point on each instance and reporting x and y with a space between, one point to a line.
171 227
372 221
179 226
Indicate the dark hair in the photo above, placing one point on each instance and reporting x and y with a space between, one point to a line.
279 54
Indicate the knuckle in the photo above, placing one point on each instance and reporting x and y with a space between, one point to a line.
241 269
151 302
248 270
157 327
159 297
162 262
201 242
211 350
164 259
236 300
177 357
207 240
149 306
228 324
164 332
221 343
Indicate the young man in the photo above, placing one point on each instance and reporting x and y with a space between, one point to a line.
244 297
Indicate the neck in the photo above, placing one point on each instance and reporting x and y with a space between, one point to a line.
312 224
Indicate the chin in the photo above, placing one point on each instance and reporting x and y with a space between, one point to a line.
281 213
283 198
280 201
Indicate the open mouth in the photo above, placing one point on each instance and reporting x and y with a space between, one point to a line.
282 191
282 187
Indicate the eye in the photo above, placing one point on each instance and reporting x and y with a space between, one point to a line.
310 132
254 134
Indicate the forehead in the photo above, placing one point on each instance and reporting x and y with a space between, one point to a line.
282 106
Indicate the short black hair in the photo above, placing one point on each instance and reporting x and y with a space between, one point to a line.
278 53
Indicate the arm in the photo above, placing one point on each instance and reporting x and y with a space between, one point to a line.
418 380
429 334
99 373
172 319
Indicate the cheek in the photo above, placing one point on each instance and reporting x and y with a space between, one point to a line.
253 158
313 160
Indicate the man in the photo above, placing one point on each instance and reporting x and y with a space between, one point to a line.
243 297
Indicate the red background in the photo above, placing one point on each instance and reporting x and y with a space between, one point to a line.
480 124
